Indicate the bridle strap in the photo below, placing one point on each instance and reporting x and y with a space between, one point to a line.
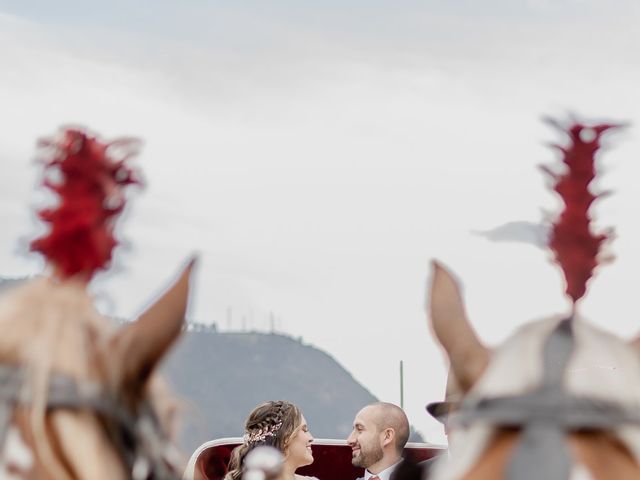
555 408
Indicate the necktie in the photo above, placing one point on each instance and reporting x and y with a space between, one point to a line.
374 478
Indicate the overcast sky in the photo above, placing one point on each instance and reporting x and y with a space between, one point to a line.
318 154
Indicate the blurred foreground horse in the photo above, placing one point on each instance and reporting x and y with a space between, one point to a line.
560 399
78 397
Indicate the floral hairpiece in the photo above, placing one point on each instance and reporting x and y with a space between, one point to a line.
262 434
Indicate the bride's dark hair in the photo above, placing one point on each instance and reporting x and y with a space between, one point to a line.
272 424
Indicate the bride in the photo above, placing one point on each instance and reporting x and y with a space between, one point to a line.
277 424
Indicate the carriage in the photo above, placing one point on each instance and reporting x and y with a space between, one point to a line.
332 459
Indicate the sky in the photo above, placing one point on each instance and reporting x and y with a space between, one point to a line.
318 155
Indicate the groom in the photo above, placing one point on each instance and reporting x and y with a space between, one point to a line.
380 432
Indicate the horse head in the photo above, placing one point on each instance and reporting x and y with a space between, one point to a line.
560 398
79 396
541 375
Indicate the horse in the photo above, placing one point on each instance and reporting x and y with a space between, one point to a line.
560 398
79 396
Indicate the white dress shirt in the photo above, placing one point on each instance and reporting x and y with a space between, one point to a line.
384 474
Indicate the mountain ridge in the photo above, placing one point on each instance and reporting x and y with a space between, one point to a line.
229 373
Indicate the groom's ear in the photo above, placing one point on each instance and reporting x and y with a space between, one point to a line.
389 436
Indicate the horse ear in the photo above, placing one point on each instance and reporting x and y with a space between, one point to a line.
137 348
467 355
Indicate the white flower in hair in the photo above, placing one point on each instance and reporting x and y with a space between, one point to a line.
261 434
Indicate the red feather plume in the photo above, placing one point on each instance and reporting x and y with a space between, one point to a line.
90 195
575 246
